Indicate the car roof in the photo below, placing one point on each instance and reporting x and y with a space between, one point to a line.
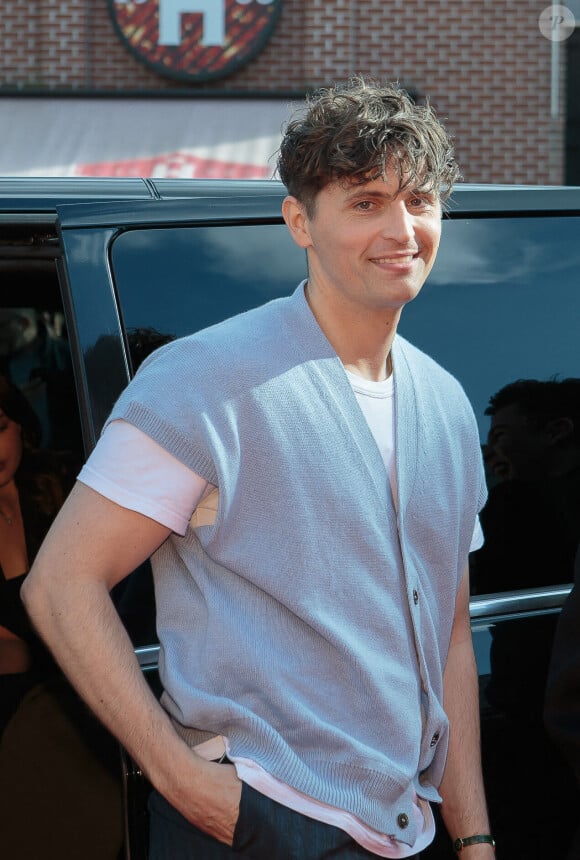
19 195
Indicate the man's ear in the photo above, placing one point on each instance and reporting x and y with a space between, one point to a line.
294 214
560 430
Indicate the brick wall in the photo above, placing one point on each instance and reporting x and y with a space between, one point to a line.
483 63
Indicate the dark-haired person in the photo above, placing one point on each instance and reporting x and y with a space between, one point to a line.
59 785
33 486
531 521
310 484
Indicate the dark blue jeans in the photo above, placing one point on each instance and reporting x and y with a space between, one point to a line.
266 830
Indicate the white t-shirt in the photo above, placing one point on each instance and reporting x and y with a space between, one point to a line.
129 468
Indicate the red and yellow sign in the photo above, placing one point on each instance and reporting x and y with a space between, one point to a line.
196 40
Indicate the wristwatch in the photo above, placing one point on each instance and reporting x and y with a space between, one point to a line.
479 838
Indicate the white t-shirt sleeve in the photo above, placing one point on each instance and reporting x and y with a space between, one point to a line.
135 472
477 540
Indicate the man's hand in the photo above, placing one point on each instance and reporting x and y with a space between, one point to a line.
213 804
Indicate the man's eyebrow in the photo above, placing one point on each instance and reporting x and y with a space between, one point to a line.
423 191
362 191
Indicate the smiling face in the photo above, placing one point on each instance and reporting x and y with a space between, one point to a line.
369 246
10 448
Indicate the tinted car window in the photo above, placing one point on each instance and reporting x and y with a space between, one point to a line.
179 280
502 303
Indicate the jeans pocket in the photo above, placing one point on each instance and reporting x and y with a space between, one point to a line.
263 830
266 830
248 825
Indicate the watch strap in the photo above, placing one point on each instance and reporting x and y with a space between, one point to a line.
478 839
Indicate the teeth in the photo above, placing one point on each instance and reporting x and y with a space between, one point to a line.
408 259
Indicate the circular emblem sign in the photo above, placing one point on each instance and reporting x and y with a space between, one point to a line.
195 40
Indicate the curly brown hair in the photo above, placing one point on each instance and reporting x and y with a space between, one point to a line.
354 131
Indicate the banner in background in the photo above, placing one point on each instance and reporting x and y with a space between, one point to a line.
204 138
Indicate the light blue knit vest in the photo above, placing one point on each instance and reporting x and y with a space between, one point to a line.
310 624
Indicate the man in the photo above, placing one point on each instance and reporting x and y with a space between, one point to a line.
531 521
311 590
535 429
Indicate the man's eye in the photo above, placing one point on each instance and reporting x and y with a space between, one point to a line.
364 205
423 201
496 436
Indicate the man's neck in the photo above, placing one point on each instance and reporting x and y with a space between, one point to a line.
361 339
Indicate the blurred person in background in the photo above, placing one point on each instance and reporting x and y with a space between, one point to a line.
59 771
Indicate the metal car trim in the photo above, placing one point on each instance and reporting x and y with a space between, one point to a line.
516 602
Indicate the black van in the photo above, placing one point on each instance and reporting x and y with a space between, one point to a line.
112 268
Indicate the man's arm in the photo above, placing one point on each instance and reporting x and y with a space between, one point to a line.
464 809
91 546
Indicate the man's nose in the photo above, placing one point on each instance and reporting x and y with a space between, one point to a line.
398 223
